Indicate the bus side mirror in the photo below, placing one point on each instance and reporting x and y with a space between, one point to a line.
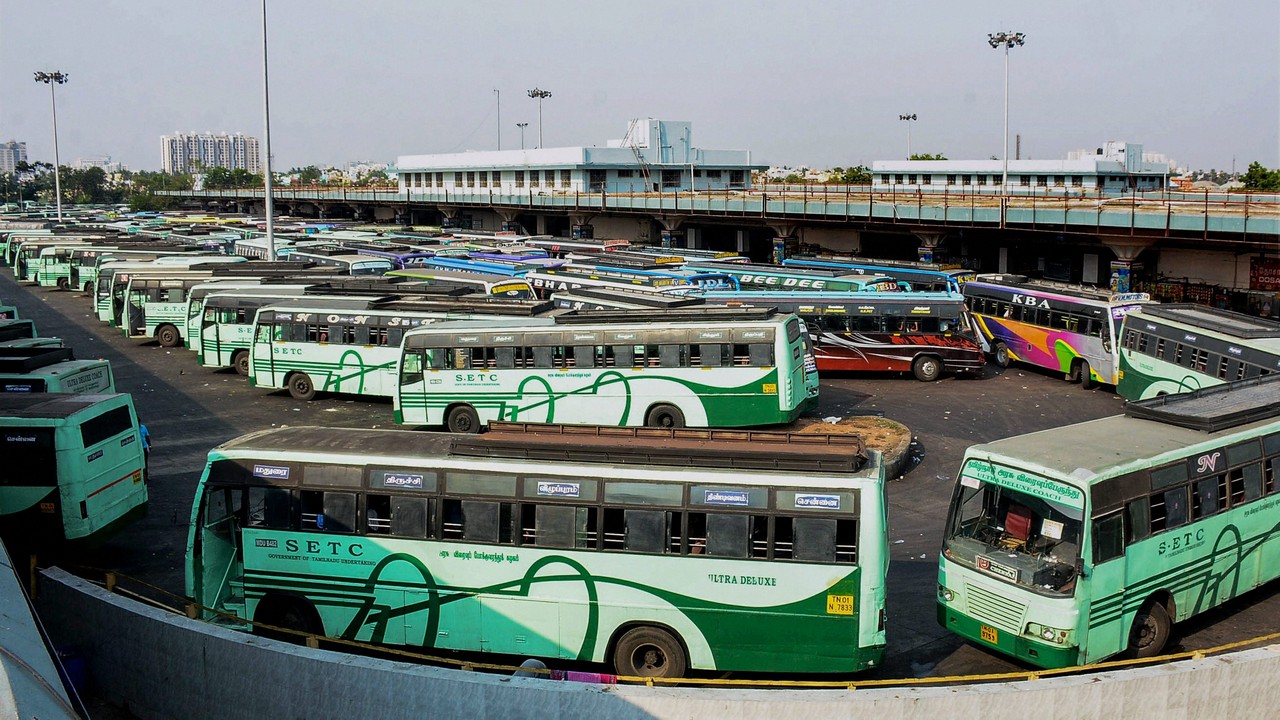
1080 567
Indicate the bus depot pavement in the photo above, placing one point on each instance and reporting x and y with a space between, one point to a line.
189 409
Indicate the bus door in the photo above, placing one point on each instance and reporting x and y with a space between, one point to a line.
1096 589
217 543
136 313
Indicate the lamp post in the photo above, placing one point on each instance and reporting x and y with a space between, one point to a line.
54 78
539 95
1008 40
268 200
908 118
498 93
522 126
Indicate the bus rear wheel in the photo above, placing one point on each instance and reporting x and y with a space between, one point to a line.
665 416
301 387
649 652
287 613
1151 629
168 336
1000 354
463 419
241 362
64 283
926 368
88 287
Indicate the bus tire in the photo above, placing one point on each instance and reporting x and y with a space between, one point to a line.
168 336
649 652
926 368
301 387
64 283
1150 632
240 361
1086 376
88 287
462 419
1000 355
287 613
664 416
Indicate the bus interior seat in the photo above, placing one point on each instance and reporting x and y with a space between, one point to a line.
1017 522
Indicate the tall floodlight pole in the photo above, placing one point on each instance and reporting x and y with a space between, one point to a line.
522 126
498 94
266 114
539 95
1008 40
908 118
51 79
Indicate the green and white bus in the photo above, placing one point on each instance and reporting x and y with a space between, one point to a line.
199 294
39 369
697 367
656 551
1181 347
349 345
1067 546
74 467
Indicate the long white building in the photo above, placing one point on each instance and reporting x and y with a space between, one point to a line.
190 152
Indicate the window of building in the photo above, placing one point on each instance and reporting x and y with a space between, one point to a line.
926 179
737 178
713 174
484 179
898 178
471 179
951 179
982 179
1042 180
1059 180
519 182
566 177
625 174
457 179
911 179
1024 180
549 178
1077 181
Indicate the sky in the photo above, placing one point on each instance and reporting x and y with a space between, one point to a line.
798 83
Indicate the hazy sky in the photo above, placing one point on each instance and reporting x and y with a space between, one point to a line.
797 82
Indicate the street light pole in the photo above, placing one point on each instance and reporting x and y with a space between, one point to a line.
908 118
522 126
266 114
1008 40
498 93
51 79
539 95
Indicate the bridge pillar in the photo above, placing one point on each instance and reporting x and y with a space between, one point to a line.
580 225
784 240
929 242
509 221
450 213
743 242
671 234
1126 248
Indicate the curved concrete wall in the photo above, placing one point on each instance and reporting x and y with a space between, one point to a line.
159 665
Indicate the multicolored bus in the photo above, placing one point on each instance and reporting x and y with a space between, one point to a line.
1066 328
1070 545
1178 348
38 369
511 288
347 345
697 367
923 277
925 334
74 467
774 277
655 552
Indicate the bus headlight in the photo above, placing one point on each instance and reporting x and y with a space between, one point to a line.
1048 634
945 593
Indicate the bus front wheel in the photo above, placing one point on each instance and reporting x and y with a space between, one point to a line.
665 416
64 284
168 336
1150 631
926 368
1000 354
463 419
287 613
301 387
1083 373
88 287
649 652
241 362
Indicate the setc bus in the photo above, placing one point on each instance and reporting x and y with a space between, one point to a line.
1178 348
699 367
511 288
653 551
923 277
113 278
595 298
347 345
347 261
925 334
558 247
156 305
22 334
74 467
773 277
1067 328
33 368
1070 545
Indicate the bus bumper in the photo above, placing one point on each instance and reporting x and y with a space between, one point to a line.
1030 651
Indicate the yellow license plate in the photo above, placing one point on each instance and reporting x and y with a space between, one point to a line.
839 604
990 634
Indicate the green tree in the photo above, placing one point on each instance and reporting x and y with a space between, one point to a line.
309 175
1261 179
927 156
856 175
217 178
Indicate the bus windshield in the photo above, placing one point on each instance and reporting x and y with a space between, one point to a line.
1016 526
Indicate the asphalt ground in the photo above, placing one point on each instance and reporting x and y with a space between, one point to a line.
189 409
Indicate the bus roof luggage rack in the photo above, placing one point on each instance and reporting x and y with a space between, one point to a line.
481 305
1213 408
693 314
638 297
685 447
21 360
1210 318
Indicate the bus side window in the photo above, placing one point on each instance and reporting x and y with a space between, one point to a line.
761 354
267 333
486 521
221 507
643 531
436 358
411 516
377 514
360 335
712 355
670 356
584 356
815 539
623 355
1139 525
411 371
1108 537
558 526
1208 496
728 535
543 357
504 357
460 358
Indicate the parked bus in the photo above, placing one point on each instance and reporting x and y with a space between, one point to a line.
8 312
511 288
773 277
923 277
22 333
1178 348
113 278
348 262
39 369
401 256
74 467
595 298
558 247
1067 546
655 552
555 280
925 334
1067 328
349 345
701 367
649 273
